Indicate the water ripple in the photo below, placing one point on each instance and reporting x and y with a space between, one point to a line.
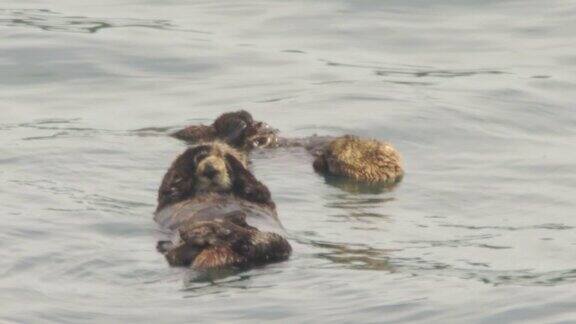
52 21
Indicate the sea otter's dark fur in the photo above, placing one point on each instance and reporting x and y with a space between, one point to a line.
223 216
210 167
237 128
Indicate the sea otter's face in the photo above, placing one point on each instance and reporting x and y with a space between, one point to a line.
260 134
240 130
211 168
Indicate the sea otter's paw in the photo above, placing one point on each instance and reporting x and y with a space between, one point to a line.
204 234
206 242
216 240
215 233
245 185
224 243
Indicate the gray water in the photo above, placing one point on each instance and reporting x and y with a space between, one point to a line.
478 96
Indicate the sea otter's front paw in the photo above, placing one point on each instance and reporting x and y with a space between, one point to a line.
257 193
200 234
245 184
211 233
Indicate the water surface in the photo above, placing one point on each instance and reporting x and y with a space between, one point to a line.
478 97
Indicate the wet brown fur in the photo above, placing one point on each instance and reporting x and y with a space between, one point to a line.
182 180
237 128
360 159
226 242
217 241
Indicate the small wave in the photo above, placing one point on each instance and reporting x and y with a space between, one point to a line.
49 20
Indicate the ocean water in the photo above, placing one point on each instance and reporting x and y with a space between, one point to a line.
478 96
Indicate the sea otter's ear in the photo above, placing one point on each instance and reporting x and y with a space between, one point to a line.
245 185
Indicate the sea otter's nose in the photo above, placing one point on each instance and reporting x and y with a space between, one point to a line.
209 171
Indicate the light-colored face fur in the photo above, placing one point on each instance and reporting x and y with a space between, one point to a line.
212 174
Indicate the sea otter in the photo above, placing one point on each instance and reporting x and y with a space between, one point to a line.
360 159
222 215
237 129
348 156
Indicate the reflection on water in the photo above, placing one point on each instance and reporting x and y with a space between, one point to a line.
416 71
550 226
350 202
62 128
436 73
355 187
48 20
478 272
194 280
354 257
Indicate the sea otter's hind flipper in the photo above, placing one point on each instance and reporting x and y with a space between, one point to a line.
180 255
224 243
264 247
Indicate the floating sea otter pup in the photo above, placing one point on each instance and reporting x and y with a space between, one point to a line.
351 157
223 217
364 160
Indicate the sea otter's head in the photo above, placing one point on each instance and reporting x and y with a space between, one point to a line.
211 169
260 134
359 159
239 129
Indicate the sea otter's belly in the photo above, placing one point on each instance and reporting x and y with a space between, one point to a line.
215 206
